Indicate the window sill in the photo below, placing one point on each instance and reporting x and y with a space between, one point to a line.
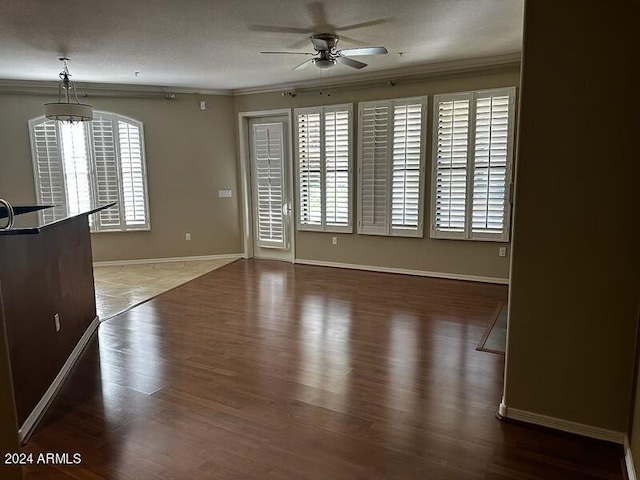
396 234
145 229
437 236
327 230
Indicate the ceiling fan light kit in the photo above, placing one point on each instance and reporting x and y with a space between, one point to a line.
324 63
68 108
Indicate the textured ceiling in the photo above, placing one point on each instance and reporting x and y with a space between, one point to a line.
214 44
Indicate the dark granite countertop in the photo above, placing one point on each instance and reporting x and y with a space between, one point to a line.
28 221
20 209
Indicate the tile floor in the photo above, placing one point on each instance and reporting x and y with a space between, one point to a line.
120 287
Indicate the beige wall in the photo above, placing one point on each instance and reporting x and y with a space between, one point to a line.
444 256
190 155
575 267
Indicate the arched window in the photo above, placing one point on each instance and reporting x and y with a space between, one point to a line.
97 162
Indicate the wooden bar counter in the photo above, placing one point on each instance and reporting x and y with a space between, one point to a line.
46 270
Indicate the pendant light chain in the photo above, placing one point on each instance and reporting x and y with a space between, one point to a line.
70 109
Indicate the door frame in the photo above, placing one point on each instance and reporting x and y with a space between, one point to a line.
244 150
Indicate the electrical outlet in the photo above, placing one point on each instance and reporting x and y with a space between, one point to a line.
334 240
502 251
203 105
56 319
187 237
224 193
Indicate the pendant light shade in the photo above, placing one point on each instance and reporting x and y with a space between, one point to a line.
68 112
68 108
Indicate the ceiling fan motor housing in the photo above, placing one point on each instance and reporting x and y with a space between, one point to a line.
330 39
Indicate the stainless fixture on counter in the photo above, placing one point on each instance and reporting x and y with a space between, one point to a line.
10 214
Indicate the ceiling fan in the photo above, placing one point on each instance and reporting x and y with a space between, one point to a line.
327 54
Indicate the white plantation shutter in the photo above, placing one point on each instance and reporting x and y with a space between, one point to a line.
323 159
98 162
337 167
107 188
472 157
373 171
391 167
451 154
134 194
268 174
490 163
309 169
73 139
407 165
47 168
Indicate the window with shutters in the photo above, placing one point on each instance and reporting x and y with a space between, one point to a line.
97 162
391 167
323 158
471 165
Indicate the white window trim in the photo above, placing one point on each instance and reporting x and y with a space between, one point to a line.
323 227
390 230
95 226
468 234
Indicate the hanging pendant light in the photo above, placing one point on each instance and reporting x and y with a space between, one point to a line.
68 108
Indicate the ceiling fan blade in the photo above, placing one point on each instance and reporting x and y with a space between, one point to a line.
350 62
370 23
319 43
304 43
287 53
277 29
304 64
344 38
365 51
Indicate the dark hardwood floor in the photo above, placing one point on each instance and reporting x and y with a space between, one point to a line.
265 370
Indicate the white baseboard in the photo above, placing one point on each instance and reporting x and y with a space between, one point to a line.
32 420
502 410
143 261
628 460
420 273
564 425
277 259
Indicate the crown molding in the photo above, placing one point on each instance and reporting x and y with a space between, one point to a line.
87 90
410 74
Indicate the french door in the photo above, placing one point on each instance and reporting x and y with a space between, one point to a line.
270 195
